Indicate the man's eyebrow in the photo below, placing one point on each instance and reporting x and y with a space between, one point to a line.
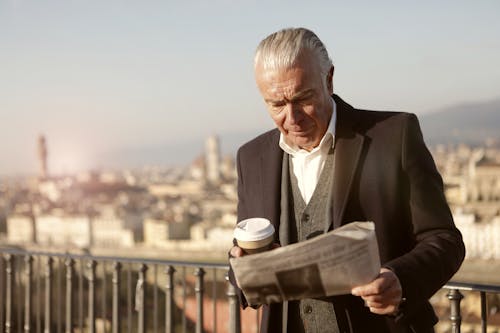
302 94
297 96
275 101
272 101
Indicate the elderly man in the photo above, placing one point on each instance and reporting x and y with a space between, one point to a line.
330 164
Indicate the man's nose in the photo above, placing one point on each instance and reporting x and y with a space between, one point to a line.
294 113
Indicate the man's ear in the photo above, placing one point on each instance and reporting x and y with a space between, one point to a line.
329 80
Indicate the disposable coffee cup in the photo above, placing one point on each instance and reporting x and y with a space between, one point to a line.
254 235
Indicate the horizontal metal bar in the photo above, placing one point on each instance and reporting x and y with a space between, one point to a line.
489 288
87 257
473 287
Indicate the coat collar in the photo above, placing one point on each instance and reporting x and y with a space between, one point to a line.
348 148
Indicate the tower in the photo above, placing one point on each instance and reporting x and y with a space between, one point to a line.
42 157
212 156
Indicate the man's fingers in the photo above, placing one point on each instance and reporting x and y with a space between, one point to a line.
374 298
390 294
385 310
382 307
376 287
236 252
382 295
373 304
378 301
384 281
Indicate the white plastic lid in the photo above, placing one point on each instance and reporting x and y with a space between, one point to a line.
253 229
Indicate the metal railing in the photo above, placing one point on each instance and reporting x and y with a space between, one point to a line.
455 296
56 292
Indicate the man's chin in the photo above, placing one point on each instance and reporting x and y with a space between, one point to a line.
303 143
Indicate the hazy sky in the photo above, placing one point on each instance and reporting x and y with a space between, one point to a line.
97 76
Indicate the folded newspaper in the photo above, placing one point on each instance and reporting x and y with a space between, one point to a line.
330 264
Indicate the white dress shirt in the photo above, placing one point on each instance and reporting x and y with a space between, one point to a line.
307 165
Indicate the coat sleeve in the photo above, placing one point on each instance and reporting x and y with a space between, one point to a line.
439 249
241 215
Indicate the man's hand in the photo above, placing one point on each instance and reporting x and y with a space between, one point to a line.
383 295
236 252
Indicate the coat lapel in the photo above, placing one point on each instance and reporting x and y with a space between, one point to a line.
270 170
348 147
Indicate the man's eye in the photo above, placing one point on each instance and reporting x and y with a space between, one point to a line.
305 100
276 107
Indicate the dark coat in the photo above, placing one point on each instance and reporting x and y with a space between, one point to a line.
384 173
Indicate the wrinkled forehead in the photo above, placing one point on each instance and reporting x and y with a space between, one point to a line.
280 84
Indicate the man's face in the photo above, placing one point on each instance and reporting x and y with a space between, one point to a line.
298 99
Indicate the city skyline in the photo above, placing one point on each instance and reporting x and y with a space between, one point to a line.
95 77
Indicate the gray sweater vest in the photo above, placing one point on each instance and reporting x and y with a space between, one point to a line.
309 221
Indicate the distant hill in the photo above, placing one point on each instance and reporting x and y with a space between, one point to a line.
178 153
471 123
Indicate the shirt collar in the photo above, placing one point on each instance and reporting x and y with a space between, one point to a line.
327 140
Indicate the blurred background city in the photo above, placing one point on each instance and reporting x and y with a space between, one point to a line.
120 120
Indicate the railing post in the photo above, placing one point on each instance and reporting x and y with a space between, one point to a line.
91 277
59 306
104 315
234 308
28 260
9 272
484 312
117 267
140 298
199 273
455 297
214 299
38 298
169 300
69 263
48 294
2 294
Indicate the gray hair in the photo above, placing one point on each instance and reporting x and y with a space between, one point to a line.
281 49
